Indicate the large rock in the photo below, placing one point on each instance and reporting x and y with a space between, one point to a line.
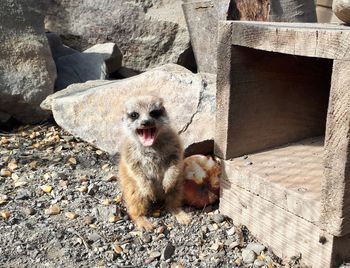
92 111
27 70
149 33
341 9
94 63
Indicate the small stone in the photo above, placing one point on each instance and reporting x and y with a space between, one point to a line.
46 188
154 255
5 173
231 231
94 236
146 238
5 214
105 166
47 176
12 165
113 219
54 210
111 178
20 183
72 161
110 255
33 165
3 199
71 215
168 251
92 188
234 245
215 246
117 249
259 263
88 220
99 152
29 211
106 202
238 261
218 218
15 177
160 229
256 247
248 256
22 195
82 189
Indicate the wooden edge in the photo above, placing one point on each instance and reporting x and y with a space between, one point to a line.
285 233
223 89
335 197
329 41
308 209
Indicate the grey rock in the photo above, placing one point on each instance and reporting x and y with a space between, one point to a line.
149 33
231 231
259 263
92 188
96 62
248 256
22 195
94 237
168 251
341 9
256 247
189 99
154 254
218 218
27 70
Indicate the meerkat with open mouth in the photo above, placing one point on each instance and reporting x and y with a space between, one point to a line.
151 161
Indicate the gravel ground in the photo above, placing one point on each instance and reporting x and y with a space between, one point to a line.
60 206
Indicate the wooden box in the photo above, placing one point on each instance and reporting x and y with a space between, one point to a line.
283 132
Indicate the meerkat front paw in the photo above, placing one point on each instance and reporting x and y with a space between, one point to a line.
181 216
143 224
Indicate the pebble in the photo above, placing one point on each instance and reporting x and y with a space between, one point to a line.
29 211
218 218
92 188
117 249
22 195
46 188
146 238
231 231
5 214
154 255
113 219
259 263
54 210
248 256
256 247
71 215
94 236
168 251
20 183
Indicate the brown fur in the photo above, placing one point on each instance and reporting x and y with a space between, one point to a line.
151 174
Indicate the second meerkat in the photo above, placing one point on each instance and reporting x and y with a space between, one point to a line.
151 163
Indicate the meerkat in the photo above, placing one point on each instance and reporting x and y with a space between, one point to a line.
151 161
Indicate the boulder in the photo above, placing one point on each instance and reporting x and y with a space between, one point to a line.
341 9
149 33
96 62
27 70
92 111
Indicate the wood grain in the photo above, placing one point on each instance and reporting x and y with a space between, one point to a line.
329 41
336 186
290 176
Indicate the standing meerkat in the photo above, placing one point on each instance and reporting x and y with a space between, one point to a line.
151 161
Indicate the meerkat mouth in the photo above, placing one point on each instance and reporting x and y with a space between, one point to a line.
147 136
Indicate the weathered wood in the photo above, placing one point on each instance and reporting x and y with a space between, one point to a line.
287 234
290 176
268 99
202 23
304 39
336 186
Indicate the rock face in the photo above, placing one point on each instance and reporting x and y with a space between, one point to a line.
341 9
96 62
92 111
27 70
149 33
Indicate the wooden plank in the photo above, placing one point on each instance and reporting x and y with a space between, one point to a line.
336 185
290 176
202 23
223 92
287 234
304 39
268 99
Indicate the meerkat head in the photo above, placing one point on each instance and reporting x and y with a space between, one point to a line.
145 118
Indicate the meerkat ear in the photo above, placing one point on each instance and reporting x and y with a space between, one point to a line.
160 102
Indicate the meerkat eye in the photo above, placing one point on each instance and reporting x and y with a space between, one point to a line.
156 113
134 115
